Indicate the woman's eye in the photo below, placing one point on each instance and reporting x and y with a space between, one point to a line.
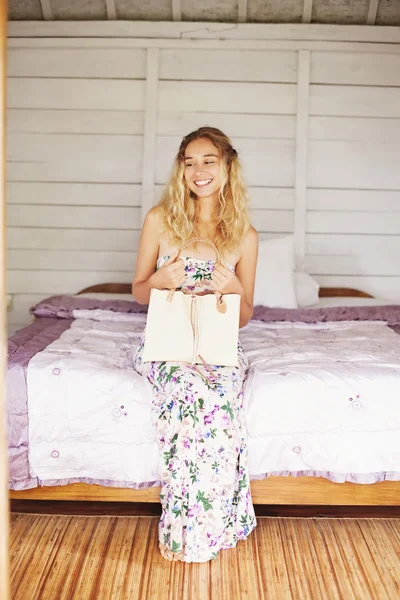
210 162
189 165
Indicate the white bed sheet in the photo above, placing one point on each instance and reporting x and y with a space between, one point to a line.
307 409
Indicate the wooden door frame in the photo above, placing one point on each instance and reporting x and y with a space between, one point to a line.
4 503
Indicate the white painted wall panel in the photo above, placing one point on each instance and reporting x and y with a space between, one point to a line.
179 123
41 238
373 129
355 68
353 222
102 63
353 200
228 65
75 158
353 197
279 221
83 217
60 282
269 197
81 194
376 265
209 97
124 122
75 127
354 101
337 164
355 244
71 260
89 94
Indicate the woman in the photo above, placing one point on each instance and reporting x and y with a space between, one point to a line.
201 432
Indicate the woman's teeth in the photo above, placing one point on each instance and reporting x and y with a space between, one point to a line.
203 182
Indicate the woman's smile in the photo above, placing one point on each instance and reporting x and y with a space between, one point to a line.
202 182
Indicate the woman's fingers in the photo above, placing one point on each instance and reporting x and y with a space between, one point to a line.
221 269
219 283
177 270
217 275
171 259
179 275
171 267
175 266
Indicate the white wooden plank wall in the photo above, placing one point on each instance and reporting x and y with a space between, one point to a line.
251 96
75 144
353 200
76 119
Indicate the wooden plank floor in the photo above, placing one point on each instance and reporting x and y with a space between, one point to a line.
56 557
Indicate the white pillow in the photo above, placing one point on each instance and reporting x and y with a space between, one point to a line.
275 273
307 289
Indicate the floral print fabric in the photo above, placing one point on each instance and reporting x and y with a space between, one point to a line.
201 432
198 272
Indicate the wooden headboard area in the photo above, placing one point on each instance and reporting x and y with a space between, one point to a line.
126 288
108 288
342 292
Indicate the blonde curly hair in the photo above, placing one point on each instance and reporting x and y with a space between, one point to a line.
178 203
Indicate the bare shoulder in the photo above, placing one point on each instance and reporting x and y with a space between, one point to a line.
154 216
248 252
153 221
250 242
252 235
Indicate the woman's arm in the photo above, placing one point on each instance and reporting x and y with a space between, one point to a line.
243 281
170 275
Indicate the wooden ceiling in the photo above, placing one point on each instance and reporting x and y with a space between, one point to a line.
351 12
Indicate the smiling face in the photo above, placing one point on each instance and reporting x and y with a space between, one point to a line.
202 168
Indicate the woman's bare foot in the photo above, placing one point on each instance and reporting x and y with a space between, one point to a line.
172 556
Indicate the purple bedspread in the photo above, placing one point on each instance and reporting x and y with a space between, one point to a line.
56 315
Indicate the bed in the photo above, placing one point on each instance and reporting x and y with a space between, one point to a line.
341 448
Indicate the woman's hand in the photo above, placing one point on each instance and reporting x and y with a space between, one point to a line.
171 275
225 281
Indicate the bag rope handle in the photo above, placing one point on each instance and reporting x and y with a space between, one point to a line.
205 241
209 377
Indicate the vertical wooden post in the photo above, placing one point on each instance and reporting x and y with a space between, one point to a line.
4 509
111 10
46 10
372 12
242 11
176 10
301 166
307 11
150 124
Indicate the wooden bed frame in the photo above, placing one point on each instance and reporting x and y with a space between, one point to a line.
272 490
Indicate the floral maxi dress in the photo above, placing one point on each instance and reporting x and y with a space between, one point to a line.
201 433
